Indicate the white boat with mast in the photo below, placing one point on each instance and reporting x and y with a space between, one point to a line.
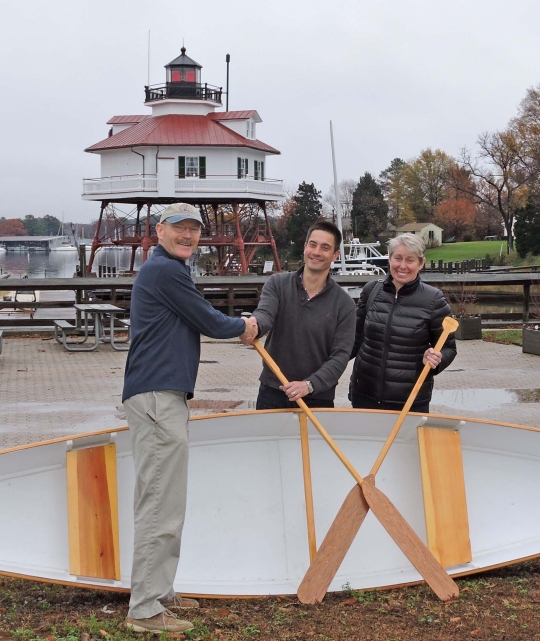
64 243
361 259
355 258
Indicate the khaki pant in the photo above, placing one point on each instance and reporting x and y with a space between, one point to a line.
158 424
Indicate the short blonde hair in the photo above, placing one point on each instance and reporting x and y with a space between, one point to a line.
413 243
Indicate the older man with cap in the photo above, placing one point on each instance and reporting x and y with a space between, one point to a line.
168 315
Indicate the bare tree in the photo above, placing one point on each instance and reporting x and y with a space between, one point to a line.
346 190
499 175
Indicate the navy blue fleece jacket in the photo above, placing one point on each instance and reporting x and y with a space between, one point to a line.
168 315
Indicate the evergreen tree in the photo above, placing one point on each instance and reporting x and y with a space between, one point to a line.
527 228
45 226
307 209
369 209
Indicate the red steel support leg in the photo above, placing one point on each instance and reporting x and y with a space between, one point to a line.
239 242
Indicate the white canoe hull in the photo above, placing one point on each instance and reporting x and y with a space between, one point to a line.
245 531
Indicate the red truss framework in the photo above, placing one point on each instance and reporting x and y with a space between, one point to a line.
235 229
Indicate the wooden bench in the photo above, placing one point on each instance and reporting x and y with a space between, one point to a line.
66 328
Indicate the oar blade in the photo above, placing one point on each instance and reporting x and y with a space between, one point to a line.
409 542
333 549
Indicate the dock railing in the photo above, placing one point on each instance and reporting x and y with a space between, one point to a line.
234 294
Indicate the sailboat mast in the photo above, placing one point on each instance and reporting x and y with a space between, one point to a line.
338 204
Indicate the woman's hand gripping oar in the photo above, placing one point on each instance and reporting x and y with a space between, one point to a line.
344 528
402 533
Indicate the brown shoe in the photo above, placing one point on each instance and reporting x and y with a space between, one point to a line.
162 622
179 601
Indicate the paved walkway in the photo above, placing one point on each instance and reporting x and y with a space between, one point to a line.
46 392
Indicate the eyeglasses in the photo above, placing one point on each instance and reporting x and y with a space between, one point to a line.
181 228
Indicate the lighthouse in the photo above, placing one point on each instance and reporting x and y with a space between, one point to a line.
185 150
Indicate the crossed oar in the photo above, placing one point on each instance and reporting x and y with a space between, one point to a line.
363 497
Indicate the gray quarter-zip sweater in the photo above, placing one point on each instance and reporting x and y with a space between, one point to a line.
309 339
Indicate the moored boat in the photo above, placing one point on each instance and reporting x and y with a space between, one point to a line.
246 531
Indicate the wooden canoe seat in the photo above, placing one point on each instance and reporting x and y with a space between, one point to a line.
94 548
445 501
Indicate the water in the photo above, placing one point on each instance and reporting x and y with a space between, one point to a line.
480 400
62 264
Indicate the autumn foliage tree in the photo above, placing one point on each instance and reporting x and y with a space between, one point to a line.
457 212
426 181
394 189
12 227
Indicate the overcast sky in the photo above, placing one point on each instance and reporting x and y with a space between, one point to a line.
395 76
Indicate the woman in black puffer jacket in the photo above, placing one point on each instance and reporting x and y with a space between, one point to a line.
395 338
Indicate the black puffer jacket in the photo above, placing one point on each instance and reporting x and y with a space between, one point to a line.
390 343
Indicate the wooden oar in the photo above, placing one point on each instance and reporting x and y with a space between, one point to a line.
338 539
402 533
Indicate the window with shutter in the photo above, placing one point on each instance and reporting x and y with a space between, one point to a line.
181 166
202 166
242 167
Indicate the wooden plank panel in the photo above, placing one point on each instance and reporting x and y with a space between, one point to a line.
445 502
93 512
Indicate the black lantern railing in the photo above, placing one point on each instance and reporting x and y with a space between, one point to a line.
186 90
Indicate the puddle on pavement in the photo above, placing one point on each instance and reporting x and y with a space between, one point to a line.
479 400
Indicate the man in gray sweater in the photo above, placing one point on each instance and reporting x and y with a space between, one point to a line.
310 322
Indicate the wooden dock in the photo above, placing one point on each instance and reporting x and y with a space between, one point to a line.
53 298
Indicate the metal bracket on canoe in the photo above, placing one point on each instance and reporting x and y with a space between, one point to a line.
461 568
95 440
409 427
443 423
90 580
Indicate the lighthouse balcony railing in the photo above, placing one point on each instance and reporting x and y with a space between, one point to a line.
120 184
183 90
148 183
229 184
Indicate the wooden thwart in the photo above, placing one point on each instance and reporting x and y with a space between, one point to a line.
93 512
445 503
308 489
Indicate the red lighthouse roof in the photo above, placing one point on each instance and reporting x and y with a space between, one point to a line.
178 130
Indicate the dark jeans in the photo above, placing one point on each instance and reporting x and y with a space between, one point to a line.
361 401
270 398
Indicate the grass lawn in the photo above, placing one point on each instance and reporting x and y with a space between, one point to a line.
466 251
503 336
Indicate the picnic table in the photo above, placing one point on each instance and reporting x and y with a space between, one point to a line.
99 323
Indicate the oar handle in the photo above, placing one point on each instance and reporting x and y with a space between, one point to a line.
281 377
449 325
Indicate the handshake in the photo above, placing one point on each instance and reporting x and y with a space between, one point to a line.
251 331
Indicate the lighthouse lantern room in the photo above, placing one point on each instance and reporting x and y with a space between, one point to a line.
187 151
